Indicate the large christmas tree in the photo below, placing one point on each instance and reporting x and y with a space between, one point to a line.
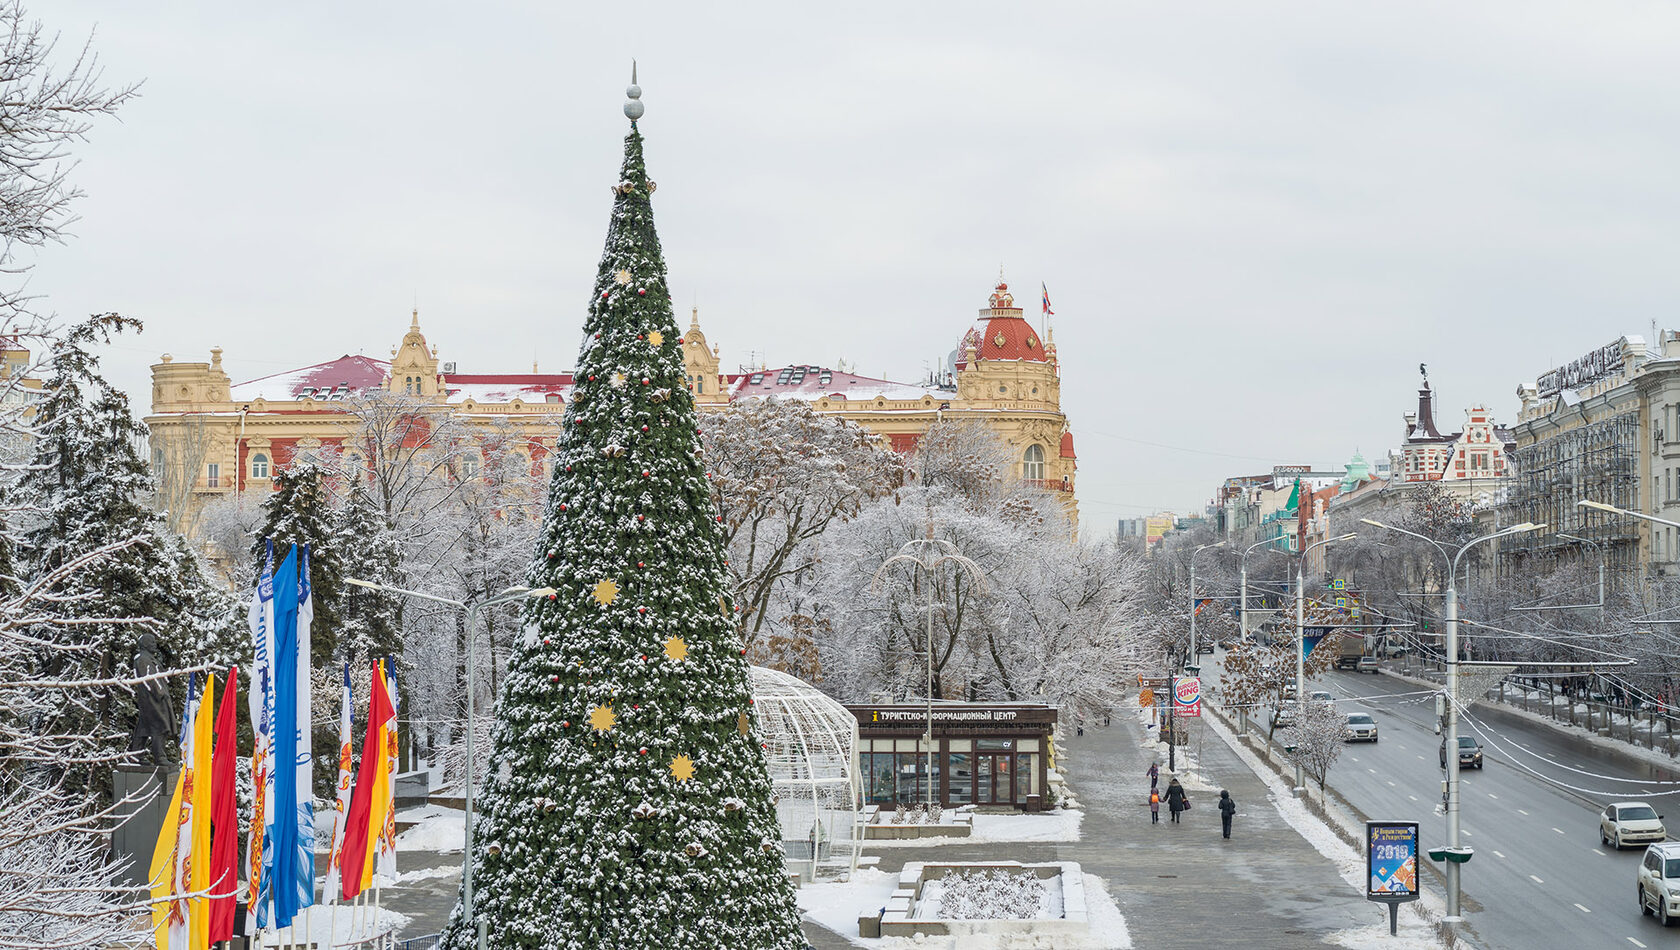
627 804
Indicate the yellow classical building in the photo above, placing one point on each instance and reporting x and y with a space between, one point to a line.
211 436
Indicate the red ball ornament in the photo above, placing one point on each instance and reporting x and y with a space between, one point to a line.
641 517
743 651
554 679
592 377
644 658
597 336
545 641
553 596
642 751
720 519
565 724
680 340
749 701
645 473
568 468
641 293
551 555
640 564
644 380
644 428
641 610
634 706
562 508
603 295
640 337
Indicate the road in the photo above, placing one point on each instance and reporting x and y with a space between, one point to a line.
1540 877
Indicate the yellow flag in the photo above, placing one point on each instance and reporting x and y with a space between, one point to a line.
198 878
162 874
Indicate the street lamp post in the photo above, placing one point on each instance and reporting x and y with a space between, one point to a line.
1599 550
1301 636
927 554
473 609
1216 544
1455 854
1242 598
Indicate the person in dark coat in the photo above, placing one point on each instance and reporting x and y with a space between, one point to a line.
1154 774
1176 801
1227 808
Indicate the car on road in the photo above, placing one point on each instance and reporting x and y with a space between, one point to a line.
1367 664
1625 823
1321 696
1469 753
1659 882
1360 728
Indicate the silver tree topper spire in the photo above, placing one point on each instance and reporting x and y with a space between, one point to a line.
633 109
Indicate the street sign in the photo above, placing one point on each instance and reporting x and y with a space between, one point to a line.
1152 682
1391 865
1187 696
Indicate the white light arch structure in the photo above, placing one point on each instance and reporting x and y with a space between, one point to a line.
811 748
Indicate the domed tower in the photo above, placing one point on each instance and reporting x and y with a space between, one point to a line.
1007 369
700 365
414 365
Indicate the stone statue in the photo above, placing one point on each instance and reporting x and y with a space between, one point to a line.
154 724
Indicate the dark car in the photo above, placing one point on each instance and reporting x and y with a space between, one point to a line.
1469 753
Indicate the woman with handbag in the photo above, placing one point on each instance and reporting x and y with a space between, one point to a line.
1177 801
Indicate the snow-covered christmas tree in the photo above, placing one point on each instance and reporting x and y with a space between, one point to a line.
627 803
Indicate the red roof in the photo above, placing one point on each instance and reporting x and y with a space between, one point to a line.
347 374
1006 335
1067 445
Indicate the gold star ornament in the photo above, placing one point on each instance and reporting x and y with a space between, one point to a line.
602 719
623 276
743 722
676 649
656 338
682 768
606 592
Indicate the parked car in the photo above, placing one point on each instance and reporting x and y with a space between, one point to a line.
1361 728
1204 646
1659 881
1367 664
1625 823
1469 753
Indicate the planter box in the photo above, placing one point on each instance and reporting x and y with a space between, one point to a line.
901 916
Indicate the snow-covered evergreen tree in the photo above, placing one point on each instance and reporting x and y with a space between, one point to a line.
371 624
300 512
84 490
627 803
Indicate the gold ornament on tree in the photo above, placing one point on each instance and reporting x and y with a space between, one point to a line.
602 719
622 276
656 338
743 722
682 768
676 649
606 592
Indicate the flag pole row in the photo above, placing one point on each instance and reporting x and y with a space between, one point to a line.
193 879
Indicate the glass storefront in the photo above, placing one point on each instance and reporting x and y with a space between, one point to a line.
977 769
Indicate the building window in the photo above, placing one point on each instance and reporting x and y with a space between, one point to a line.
1032 464
212 475
469 469
699 385
259 466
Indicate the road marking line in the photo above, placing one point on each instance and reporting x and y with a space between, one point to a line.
1354 758
1583 909
1420 758
1390 784
1492 795
1372 771
1635 942
1535 879
1498 854
1552 754
1468 835
1520 811
1412 797
1558 830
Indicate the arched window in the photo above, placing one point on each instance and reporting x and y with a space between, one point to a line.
1032 464
259 466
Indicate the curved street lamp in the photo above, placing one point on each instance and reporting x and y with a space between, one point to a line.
927 555
1216 544
1456 855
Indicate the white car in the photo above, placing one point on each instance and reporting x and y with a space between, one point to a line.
1360 728
1321 696
1625 823
1659 882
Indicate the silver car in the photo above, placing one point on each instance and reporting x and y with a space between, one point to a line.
1360 728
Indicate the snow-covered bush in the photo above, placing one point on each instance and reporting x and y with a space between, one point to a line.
990 894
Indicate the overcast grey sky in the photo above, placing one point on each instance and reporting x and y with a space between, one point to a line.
1255 220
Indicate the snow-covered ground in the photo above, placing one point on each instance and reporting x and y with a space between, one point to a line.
837 906
1061 824
1417 932
438 829
330 926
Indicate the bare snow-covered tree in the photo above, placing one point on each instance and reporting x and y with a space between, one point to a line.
1317 737
782 474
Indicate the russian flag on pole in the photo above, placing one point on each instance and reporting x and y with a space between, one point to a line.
294 821
259 853
335 860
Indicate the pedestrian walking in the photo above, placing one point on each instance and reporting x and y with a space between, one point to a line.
1154 774
1176 799
1227 808
1154 807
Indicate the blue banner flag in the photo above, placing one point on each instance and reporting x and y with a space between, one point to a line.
294 824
